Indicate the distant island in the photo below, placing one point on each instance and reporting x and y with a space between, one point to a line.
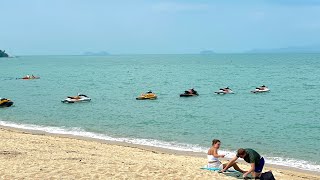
3 53
293 49
101 53
207 52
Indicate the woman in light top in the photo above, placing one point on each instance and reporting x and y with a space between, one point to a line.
213 157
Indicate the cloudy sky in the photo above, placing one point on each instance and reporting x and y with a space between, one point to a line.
156 26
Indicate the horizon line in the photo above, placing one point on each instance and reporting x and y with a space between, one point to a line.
214 53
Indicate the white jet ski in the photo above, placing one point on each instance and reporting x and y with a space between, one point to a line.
261 90
78 98
224 91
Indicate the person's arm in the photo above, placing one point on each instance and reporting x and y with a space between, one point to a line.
250 170
216 155
230 164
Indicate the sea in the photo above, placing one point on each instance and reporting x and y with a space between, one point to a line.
283 125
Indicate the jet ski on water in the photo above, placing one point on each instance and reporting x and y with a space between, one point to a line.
147 96
78 98
4 102
189 93
28 77
261 89
226 90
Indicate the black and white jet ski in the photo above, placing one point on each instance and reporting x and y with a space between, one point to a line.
226 90
261 89
78 98
189 93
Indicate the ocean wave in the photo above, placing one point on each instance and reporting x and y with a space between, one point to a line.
76 131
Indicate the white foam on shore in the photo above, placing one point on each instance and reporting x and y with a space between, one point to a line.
289 162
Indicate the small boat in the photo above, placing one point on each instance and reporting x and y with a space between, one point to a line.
226 90
261 89
189 93
78 98
4 102
27 77
147 96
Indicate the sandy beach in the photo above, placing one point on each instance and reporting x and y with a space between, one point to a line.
36 155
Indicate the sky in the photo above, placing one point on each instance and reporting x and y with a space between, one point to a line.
67 27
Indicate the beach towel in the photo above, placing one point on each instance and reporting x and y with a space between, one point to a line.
216 169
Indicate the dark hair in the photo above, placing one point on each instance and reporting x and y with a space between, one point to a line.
241 151
215 141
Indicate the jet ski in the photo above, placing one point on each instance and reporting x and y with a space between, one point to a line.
147 96
189 93
226 90
78 98
27 77
261 89
4 102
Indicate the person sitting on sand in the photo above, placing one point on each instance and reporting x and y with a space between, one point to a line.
213 161
250 156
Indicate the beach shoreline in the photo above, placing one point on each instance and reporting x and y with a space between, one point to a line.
200 158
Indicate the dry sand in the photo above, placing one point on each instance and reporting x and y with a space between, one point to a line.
30 155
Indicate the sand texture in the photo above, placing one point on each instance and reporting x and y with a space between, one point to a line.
27 155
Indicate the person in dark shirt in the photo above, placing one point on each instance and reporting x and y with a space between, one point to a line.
250 156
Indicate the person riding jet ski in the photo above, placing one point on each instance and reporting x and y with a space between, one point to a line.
260 89
147 96
189 93
4 102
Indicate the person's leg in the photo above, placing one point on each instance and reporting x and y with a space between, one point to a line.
258 169
256 175
235 166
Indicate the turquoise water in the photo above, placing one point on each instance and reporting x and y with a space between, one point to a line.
283 125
